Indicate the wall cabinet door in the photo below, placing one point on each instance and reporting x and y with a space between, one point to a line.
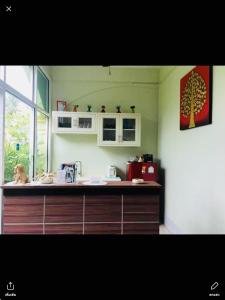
130 130
119 130
74 122
109 128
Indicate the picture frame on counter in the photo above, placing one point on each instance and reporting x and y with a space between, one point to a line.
61 105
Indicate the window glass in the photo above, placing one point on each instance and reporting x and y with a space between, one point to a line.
1 140
18 142
42 98
42 143
21 79
2 72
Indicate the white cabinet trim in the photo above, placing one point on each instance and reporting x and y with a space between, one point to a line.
97 126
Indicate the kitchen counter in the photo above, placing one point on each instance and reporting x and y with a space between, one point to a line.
115 208
80 185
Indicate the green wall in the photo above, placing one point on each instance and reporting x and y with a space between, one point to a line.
194 160
94 86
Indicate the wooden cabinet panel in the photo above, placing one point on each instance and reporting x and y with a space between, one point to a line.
64 209
141 217
21 209
141 203
139 208
103 208
102 228
64 229
140 228
23 229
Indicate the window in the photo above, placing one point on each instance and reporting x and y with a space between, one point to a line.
42 143
21 79
42 91
1 139
18 142
42 102
25 137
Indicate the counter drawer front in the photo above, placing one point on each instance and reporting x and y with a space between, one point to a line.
23 229
23 210
102 228
63 209
141 203
64 229
141 217
140 228
103 208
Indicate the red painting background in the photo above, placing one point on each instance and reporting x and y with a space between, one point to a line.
204 116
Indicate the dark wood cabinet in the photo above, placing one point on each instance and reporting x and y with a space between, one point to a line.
140 228
64 209
22 209
64 214
63 228
114 209
140 214
22 229
103 208
102 228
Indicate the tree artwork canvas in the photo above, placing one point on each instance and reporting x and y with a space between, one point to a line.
196 98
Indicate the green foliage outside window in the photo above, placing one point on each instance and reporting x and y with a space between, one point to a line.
18 130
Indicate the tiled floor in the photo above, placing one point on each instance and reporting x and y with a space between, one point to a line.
163 230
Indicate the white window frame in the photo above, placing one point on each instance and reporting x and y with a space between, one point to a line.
5 88
47 114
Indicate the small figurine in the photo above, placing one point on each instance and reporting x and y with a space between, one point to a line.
75 108
140 159
47 178
133 108
118 109
103 109
89 108
20 176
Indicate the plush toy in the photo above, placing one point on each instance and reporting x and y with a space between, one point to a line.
20 176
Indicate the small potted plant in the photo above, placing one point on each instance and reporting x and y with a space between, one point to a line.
75 108
132 108
118 109
89 108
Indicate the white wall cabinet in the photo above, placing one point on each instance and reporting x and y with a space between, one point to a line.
74 122
112 129
119 129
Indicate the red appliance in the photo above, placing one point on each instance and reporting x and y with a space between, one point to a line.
147 171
